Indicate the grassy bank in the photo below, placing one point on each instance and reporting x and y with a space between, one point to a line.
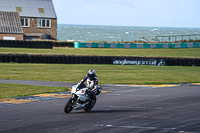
15 90
107 74
187 52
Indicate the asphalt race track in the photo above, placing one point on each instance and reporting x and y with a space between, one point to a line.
126 109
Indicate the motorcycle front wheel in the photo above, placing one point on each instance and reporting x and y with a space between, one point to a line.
69 106
90 105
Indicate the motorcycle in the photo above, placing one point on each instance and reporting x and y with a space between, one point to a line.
80 100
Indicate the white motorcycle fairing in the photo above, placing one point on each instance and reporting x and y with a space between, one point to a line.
82 96
80 100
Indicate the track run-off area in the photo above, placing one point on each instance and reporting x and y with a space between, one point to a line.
119 108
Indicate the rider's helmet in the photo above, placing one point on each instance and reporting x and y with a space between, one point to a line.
91 74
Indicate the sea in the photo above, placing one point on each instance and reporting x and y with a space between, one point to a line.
69 32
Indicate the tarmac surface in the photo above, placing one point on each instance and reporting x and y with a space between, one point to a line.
121 108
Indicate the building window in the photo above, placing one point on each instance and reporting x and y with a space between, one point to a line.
44 23
25 22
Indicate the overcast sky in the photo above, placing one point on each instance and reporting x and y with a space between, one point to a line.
155 13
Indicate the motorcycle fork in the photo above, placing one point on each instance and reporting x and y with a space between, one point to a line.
77 100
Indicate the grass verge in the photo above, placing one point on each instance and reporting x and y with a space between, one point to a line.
16 90
184 53
107 74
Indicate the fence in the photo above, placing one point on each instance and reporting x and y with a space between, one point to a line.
170 38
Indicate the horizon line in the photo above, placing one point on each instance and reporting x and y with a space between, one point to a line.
129 26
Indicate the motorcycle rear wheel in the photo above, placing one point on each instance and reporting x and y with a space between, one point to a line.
90 105
69 105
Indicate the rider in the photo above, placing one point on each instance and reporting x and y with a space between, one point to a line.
92 83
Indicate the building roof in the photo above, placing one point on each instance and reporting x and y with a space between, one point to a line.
29 8
10 22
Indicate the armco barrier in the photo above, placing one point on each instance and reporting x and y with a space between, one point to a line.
136 45
70 59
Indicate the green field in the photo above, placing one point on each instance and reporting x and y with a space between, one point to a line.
107 74
187 52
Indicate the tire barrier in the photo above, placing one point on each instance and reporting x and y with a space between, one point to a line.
70 59
63 44
26 44
34 44
136 45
